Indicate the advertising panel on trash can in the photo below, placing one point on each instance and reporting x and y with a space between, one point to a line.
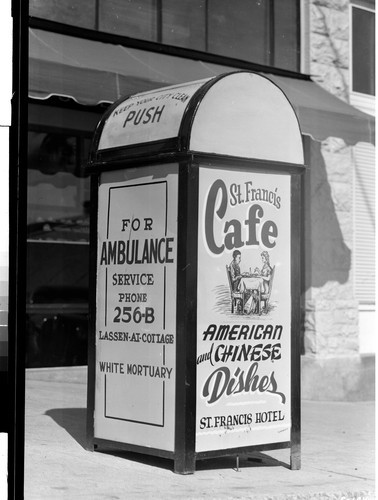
243 309
136 307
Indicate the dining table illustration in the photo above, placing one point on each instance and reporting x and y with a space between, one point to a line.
251 282
252 286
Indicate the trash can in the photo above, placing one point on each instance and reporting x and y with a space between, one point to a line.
195 272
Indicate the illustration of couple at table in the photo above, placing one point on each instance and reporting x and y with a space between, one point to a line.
250 291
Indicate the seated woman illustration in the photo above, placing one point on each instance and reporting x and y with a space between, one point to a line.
265 272
236 276
257 284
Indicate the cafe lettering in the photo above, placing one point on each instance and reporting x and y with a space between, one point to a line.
195 244
233 228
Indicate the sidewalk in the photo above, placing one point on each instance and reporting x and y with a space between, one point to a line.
337 455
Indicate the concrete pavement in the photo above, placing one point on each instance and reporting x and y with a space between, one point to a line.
337 455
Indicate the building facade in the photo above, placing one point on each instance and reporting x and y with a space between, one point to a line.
340 298
84 55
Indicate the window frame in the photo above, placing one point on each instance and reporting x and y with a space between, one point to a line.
362 6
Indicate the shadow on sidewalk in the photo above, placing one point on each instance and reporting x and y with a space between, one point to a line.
73 420
254 460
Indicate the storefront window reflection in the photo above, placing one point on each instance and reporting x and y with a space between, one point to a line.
71 12
57 249
136 18
250 21
184 23
58 190
268 31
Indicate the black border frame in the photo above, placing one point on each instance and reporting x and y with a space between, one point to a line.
186 304
15 402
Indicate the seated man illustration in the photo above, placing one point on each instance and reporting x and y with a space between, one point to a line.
235 269
235 273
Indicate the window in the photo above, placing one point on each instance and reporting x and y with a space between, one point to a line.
286 34
72 12
363 50
184 23
249 19
58 191
133 18
258 31
57 248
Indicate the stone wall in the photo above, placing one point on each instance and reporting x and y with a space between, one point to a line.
329 45
331 324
